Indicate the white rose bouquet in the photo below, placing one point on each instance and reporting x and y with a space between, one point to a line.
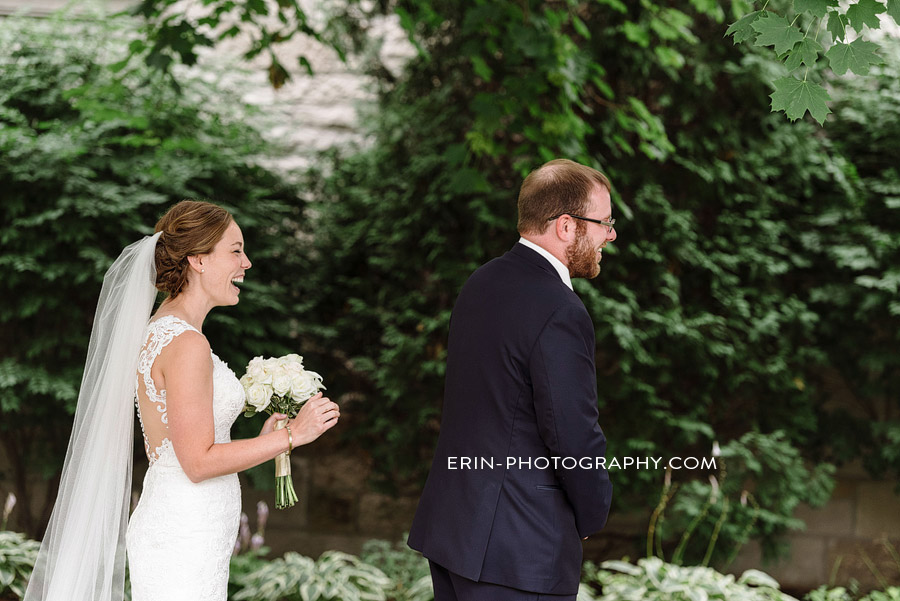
279 385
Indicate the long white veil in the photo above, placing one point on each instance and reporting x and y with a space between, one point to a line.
82 556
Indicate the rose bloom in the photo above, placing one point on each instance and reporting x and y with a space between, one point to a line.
256 370
305 385
281 383
269 369
292 368
259 396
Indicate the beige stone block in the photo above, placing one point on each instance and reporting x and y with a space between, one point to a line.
836 518
313 545
610 545
804 569
853 470
333 511
845 488
633 523
384 516
279 519
857 560
345 472
877 510
750 557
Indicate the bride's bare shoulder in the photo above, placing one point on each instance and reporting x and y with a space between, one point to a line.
188 350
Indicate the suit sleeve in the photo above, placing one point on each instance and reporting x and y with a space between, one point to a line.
565 398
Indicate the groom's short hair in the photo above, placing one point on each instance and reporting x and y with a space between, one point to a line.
557 187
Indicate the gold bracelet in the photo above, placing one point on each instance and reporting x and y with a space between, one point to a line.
290 439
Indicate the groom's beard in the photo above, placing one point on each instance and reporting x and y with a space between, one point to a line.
582 256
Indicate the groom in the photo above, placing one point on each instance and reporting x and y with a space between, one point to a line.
516 482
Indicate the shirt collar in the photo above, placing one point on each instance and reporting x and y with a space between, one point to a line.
557 264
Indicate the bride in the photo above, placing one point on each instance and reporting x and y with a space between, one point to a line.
180 538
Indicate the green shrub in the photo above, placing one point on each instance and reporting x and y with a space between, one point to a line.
90 162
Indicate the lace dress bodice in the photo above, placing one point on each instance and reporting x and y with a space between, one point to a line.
228 395
182 533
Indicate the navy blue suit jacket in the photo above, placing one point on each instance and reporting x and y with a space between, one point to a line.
520 384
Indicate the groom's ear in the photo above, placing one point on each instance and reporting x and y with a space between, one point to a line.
565 228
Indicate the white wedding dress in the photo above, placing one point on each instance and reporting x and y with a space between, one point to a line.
181 535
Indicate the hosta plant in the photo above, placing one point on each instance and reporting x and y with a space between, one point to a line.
651 579
17 557
335 576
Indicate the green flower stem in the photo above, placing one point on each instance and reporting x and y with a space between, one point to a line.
715 532
285 496
667 493
745 535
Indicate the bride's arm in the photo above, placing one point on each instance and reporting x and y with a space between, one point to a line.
188 371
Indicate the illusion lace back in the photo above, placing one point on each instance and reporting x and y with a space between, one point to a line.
181 535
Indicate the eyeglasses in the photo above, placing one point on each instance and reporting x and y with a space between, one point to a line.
610 224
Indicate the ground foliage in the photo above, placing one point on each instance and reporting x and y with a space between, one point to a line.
89 163
655 580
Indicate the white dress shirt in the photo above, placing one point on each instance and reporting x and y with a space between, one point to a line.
557 264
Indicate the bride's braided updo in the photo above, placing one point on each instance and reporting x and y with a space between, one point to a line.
189 228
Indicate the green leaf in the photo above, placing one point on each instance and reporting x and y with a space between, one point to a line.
481 68
865 12
622 566
893 9
837 25
817 8
581 28
304 62
636 33
741 29
857 56
795 97
806 52
758 578
616 5
775 31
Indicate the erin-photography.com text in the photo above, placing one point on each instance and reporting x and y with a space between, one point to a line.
584 463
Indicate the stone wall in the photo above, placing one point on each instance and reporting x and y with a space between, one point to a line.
849 538
306 115
309 114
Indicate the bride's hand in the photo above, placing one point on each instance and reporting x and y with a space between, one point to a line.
317 415
269 426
